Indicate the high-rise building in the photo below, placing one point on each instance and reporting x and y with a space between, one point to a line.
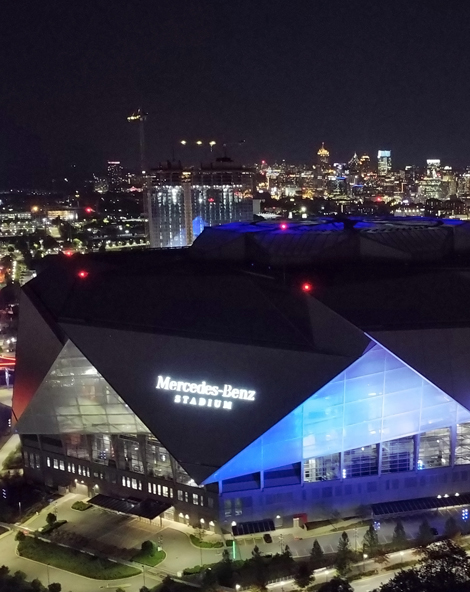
384 158
115 175
323 156
433 167
184 200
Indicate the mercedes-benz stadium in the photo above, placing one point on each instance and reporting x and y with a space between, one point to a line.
162 384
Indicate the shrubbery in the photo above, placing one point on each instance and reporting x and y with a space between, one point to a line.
77 562
80 506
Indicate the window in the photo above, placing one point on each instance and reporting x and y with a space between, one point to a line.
139 483
210 502
360 462
462 450
48 461
165 491
397 455
238 507
186 497
134 483
201 500
154 488
195 499
123 481
434 449
227 507
180 495
79 469
61 465
55 463
150 488
323 468
38 461
159 489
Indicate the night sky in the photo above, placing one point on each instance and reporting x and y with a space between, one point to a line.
283 74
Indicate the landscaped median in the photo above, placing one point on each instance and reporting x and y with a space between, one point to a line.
74 561
149 555
196 541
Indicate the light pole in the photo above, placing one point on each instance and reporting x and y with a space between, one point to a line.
143 574
401 557
364 557
48 577
281 542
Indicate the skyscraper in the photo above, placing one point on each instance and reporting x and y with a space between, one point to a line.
184 200
384 158
323 156
115 174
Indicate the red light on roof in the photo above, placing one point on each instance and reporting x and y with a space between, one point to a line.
306 287
88 210
82 274
283 226
211 199
67 253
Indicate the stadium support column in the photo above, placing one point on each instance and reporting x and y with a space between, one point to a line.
453 444
188 213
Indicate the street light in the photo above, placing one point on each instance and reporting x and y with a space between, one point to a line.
281 542
364 557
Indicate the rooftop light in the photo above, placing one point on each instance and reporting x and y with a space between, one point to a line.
82 274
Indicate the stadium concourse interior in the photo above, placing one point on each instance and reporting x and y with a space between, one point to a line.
230 390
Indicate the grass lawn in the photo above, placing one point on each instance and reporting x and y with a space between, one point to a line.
80 506
74 561
205 544
151 560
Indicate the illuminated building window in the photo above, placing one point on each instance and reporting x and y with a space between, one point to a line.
165 491
150 488
361 462
462 450
228 507
323 468
134 483
195 499
123 480
55 463
48 461
397 455
238 507
186 497
434 449
180 495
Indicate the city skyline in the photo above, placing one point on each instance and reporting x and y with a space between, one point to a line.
358 77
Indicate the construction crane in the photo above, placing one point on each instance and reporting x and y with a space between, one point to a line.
140 117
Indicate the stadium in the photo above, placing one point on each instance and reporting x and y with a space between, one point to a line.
223 384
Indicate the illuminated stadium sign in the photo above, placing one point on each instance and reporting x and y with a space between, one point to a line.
202 394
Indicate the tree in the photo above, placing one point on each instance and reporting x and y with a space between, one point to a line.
4 570
425 534
344 554
20 536
148 548
209 580
260 572
51 518
370 544
200 532
316 555
451 528
336 585
36 585
54 587
444 566
303 575
399 539
144 589
224 570
256 552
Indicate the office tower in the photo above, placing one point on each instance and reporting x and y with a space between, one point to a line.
433 167
323 156
384 158
184 200
115 175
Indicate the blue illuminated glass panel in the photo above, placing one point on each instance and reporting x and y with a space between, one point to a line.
377 399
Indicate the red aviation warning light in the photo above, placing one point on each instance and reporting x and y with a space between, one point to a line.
68 253
89 210
283 226
306 287
82 274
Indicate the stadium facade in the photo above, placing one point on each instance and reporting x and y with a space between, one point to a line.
217 392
